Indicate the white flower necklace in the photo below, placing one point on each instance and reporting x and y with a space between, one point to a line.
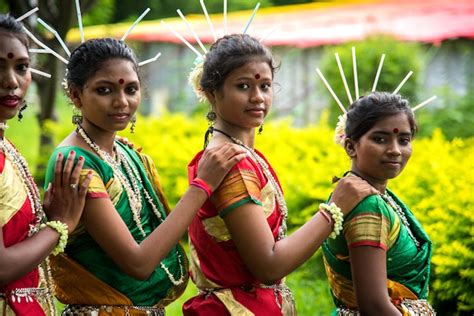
397 208
133 187
32 192
268 174
31 189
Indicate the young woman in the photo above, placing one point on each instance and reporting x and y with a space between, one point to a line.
26 239
124 257
239 249
380 265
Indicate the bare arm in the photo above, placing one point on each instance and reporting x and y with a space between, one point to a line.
369 274
66 206
269 260
139 260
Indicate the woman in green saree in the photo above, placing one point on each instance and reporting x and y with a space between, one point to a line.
124 257
380 265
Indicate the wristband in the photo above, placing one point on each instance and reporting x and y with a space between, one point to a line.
61 228
327 217
200 183
337 216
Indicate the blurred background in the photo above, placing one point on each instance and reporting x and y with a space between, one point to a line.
432 38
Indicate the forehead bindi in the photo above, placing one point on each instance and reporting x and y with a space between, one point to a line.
10 55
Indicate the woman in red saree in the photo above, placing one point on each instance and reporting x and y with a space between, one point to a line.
26 239
240 253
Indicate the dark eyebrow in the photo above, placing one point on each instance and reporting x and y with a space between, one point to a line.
20 60
383 132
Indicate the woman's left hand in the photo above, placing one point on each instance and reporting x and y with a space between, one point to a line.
65 198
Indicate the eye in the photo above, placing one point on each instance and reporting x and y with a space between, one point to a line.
266 86
404 140
103 90
379 139
131 90
243 86
22 67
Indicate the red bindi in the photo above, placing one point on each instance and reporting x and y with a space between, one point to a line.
395 130
121 81
257 76
10 55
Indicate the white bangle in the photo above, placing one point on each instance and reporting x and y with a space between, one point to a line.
337 216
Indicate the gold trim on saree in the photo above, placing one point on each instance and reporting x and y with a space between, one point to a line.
12 192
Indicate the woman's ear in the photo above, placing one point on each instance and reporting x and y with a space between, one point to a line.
74 95
211 97
349 146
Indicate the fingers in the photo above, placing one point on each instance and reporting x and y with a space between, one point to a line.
47 196
85 185
66 174
58 170
76 173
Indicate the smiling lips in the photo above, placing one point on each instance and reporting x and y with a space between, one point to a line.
10 101
120 116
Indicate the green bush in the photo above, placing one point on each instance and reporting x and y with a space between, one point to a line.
399 60
437 185
455 118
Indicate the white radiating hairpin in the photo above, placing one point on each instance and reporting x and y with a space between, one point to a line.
196 72
340 128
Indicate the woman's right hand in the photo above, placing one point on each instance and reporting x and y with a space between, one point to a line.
65 198
216 162
350 191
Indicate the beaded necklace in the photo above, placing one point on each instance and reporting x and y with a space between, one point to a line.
268 174
133 186
13 155
397 208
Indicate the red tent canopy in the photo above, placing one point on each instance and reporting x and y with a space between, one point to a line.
322 23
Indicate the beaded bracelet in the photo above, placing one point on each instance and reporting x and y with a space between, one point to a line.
200 183
337 216
62 230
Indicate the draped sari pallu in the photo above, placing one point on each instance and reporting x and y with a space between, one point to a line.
374 223
19 297
86 278
226 286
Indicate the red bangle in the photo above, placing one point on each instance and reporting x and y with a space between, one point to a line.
327 217
200 183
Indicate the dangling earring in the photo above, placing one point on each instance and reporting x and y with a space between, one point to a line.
211 120
22 108
260 129
133 121
76 117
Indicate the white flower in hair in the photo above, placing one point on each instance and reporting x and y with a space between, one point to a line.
340 131
195 76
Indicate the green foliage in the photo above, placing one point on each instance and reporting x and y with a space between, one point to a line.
437 185
399 60
455 118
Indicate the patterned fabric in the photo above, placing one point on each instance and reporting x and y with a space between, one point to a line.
15 217
226 285
374 223
83 250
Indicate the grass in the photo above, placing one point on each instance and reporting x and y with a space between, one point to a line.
308 283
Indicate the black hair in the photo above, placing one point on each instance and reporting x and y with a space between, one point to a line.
365 112
229 53
12 26
88 57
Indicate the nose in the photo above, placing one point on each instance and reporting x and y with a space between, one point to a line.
120 100
9 80
394 149
257 96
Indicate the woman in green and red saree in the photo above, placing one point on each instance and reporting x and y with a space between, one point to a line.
26 238
124 257
240 253
380 265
